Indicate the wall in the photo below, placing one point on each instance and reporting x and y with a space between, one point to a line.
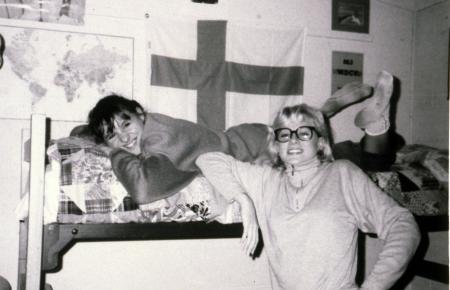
430 106
388 46
208 263
431 78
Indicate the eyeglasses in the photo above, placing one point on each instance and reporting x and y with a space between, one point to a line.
304 133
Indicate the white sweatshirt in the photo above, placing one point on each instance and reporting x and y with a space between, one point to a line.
310 234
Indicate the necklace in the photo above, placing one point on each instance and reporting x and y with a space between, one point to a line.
292 169
297 202
298 177
293 192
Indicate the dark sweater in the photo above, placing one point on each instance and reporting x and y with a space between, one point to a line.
169 150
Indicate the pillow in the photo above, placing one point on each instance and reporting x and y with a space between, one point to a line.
432 159
87 182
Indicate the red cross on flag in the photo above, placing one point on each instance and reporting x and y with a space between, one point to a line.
219 73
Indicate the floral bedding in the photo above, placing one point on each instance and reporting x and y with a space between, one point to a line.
89 192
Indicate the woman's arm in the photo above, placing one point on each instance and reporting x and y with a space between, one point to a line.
220 169
228 176
148 179
378 213
250 236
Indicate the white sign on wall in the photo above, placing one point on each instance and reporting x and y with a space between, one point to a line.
346 67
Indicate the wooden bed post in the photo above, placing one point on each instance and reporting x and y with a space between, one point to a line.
36 202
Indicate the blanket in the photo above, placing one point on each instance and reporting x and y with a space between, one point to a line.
89 192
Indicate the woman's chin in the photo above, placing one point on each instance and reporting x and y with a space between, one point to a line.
296 162
299 161
133 150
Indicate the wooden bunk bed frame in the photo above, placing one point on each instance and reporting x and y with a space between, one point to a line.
57 239
42 246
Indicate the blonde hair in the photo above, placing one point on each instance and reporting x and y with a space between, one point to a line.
297 112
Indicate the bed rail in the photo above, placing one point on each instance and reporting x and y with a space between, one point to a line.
59 238
36 202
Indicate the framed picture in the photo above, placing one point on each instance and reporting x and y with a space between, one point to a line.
351 15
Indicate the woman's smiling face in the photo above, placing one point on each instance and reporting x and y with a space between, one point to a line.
296 152
127 132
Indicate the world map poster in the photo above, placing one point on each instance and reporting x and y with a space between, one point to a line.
61 74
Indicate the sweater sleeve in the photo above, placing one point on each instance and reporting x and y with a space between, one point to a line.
183 141
228 175
148 179
378 213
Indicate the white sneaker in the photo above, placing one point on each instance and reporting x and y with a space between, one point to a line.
379 106
349 94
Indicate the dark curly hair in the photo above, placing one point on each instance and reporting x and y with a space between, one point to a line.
101 117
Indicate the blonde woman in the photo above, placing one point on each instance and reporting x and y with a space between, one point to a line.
310 207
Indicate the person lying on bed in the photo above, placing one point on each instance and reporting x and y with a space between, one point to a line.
153 155
310 207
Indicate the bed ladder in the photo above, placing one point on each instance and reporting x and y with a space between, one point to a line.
34 224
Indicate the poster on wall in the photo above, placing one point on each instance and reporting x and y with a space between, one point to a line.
61 74
346 67
55 11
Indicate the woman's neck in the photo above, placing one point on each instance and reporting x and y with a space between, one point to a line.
300 174
292 169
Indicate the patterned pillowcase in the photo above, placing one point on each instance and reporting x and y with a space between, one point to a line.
87 182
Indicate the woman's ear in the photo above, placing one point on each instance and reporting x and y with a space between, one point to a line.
271 141
139 111
321 144
141 114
